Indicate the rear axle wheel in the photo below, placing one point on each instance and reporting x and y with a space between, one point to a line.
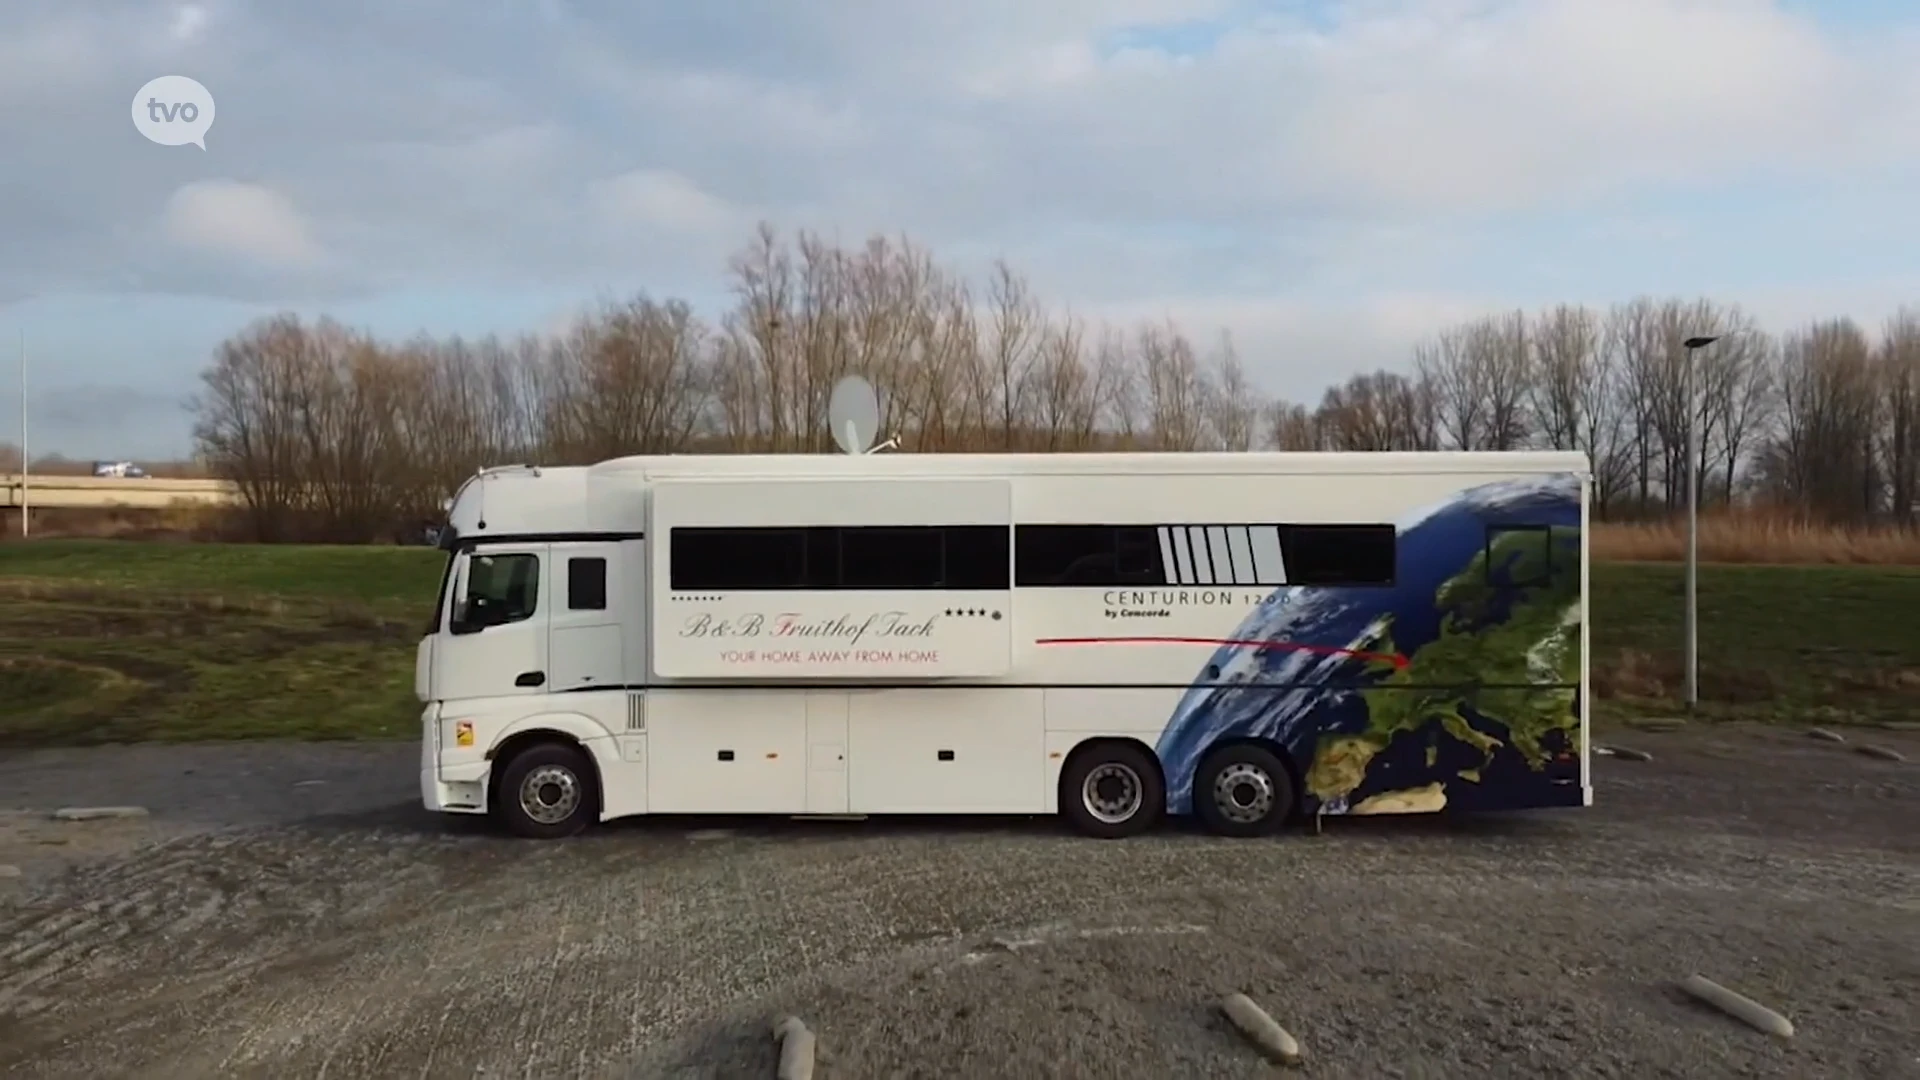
1243 790
1112 790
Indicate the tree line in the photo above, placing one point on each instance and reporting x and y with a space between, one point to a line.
332 434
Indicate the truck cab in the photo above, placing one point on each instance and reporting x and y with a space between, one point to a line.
526 634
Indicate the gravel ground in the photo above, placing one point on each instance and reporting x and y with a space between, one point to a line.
288 911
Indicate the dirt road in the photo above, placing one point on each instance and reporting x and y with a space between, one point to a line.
286 911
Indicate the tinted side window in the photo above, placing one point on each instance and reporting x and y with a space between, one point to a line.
839 557
1088 555
1339 554
883 558
978 556
587 584
1519 556
703 559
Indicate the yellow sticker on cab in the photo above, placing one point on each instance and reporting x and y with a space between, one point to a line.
463 733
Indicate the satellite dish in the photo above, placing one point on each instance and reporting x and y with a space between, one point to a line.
853 414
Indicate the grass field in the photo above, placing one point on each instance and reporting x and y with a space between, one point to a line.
105 641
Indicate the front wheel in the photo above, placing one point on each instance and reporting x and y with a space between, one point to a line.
1112 791
546 792
1243 790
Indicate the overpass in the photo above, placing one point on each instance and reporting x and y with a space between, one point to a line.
114 492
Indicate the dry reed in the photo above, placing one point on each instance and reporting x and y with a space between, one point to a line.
1757 538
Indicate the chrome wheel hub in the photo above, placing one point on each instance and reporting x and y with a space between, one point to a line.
1112 793
1243 793
550 794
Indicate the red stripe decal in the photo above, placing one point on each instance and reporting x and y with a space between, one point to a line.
1395 659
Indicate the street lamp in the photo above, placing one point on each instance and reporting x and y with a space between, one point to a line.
1693 345
26 452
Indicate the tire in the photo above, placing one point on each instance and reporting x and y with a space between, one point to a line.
1243 790
546 792
1112 790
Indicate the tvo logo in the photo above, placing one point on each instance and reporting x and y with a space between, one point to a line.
174 110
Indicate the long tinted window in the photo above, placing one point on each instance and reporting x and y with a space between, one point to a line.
851 557
1094 556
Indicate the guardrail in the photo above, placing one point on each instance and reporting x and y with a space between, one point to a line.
109 492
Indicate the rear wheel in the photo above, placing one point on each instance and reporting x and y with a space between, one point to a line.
1243 790
1112 790
546 792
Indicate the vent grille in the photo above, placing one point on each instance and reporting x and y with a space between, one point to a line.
636 712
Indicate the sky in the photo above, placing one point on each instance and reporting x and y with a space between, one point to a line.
1328 180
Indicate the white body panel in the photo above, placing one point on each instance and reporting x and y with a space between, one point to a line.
802 700
971 750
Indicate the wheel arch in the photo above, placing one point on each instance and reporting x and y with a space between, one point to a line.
565 729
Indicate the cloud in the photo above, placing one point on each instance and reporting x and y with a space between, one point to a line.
188 21
506 141
117 421
243 221
660 199
1329 178
1558 100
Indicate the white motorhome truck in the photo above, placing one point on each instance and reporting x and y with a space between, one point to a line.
1249 638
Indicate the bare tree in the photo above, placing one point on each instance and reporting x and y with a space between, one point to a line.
630 380
1382 410
1567 364
1015 325
1823 455
1501 354
1740 398
1175 388
331 433
1637 341
1899 374
761 367
247 426
1234 404
1479 376
1062 390
1574 401
1292 427
1446 367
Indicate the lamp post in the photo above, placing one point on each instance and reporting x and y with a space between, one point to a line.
26 454
1693 345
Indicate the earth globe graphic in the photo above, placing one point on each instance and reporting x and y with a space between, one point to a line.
1458 684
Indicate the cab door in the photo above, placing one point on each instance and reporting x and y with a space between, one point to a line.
589 596
495 639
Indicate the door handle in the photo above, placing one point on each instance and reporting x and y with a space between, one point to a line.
530 678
